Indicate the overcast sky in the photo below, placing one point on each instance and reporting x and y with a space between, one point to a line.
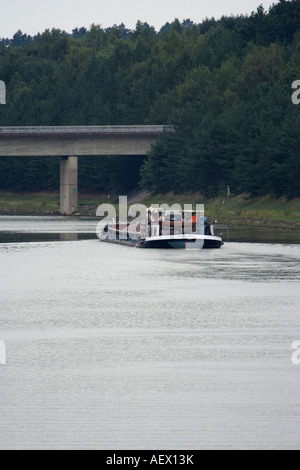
33 16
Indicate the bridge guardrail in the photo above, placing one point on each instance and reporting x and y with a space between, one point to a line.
62 130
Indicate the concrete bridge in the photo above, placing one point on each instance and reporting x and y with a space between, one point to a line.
69 143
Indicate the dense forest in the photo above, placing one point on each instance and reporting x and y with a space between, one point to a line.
225 86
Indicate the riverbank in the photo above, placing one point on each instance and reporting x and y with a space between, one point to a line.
242 211
43 204
238 211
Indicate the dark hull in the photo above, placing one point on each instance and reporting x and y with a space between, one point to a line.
113 235
166 244
207 245
162 244
212 244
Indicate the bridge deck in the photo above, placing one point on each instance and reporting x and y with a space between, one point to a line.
81 130
69 142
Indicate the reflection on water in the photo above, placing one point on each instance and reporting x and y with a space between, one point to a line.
259 235
19 237
57 228
14 229
110 347
57 224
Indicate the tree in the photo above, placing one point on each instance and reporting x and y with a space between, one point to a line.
224 87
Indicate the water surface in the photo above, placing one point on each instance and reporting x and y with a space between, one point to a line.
110 347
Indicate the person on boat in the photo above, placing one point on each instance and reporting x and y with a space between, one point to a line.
160 221
207 226
194 222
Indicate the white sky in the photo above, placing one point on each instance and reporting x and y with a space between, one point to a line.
33 16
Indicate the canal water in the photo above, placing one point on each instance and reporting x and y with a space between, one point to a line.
110 347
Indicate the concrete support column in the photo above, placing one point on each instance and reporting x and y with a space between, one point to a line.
68 185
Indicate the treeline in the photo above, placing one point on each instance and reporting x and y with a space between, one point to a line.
223 85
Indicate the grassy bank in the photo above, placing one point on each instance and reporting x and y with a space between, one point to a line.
241 211
42 203
262 212
29 203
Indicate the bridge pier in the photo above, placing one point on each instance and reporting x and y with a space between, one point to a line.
56 141
68 185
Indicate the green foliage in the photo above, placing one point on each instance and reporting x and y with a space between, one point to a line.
224 85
